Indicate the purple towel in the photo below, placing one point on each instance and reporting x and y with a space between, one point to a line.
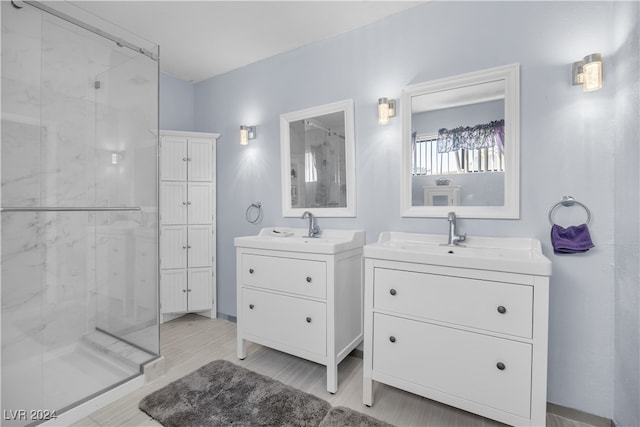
570 240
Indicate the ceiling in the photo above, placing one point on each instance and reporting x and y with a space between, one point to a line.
202 39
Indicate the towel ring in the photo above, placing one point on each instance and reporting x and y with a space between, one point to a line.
256 217
568 201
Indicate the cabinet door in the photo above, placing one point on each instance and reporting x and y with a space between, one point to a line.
173 247
200 203
280 319
200 289
173 203
173 158
491 371
200 159
200 244
173 291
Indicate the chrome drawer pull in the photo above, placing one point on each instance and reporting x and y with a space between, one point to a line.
251 306
392 292
308 279
500 366
308 319
392 338
502 309
251 270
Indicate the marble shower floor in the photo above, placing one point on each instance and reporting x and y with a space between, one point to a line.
71 373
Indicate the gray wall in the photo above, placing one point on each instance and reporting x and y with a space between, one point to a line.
569 139
176 104
626 216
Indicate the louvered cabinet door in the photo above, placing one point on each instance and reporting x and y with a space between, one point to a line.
200 159
200 289
173 246
173 290
200 203
200 246
173 159
173 202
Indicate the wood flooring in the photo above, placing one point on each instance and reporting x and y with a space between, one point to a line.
192 341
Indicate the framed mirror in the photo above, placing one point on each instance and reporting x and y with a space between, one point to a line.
317 148
461 145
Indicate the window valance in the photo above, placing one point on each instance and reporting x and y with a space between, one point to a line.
471 138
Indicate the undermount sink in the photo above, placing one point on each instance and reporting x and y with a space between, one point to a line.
516 255
296 240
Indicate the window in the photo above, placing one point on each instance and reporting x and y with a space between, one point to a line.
310 173
427 161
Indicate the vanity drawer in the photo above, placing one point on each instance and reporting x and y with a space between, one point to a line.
493 306
291 321
297 276
459 363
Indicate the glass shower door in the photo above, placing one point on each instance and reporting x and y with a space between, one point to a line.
79 214
126 176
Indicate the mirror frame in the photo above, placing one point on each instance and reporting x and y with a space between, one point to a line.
510 74
345 106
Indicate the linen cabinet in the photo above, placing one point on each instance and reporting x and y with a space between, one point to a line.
187 224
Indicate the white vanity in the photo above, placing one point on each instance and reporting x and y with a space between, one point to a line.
466 326
301 295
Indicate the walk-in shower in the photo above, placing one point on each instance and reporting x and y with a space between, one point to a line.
79 233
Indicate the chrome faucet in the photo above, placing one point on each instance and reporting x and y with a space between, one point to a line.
454 239
314 230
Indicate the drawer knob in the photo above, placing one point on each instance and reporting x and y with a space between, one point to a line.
308 279
500 366
392 338
251 270
502 309
308 319
392 292
251 306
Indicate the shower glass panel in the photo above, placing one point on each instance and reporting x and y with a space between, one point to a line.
79 231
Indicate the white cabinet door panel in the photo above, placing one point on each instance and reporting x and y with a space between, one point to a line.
200 297
201 159
493 306
200 243
484 369
291 321
200 203
173 294
297 276
173 159
173 247
173 203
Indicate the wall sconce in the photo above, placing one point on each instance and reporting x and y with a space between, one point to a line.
588 72
247 133
386 109
116 157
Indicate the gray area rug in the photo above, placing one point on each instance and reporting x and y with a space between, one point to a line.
222 393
